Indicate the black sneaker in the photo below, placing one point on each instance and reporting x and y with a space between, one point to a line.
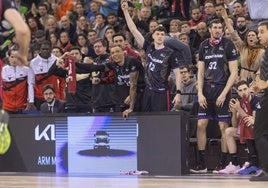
261 176
199 169
219 167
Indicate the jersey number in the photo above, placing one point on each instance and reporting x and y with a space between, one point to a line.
151 66
212 65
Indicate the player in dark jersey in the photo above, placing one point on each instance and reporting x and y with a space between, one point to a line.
217 72
160 59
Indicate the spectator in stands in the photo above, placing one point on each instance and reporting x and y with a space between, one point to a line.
250 51
54 40
241 26
202 32
184 37
144 18
108 6
17 85
174 28
40 37
196 17
243 115
100 25
69 28
217 72
52 27
91 36
43 14
186 28
188 89
120 39
34 26
108 36
94 8
78 11
82 42
210 11
52 105
113 21
57 51
238 9
219 7
64 41
39 70
152 25
62 8
82 25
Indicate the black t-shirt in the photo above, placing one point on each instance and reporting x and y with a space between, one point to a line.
159 63
216 60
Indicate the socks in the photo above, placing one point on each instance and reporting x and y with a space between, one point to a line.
223 159
234 159
201 160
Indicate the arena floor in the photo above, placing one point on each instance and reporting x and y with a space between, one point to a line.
47 180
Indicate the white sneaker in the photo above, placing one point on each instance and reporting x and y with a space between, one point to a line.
229 169
245 165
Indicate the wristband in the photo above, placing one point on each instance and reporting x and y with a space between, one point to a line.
178 92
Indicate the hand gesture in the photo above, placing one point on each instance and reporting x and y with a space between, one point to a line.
124 5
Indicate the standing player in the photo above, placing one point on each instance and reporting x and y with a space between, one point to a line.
159 62
217 72
260 125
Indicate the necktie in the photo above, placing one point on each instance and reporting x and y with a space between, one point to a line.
50 109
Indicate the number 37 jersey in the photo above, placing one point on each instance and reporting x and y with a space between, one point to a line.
216 60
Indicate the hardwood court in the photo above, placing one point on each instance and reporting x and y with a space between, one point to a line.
23 180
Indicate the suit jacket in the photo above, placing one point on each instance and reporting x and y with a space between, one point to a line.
59 107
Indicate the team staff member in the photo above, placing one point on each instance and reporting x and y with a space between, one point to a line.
159 62
260 125
39 69
217 72
52 105
17 85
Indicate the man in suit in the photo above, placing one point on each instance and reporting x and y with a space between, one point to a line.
52 105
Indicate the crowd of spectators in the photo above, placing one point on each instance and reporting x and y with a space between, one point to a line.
62 25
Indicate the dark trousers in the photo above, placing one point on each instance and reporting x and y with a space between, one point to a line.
261 132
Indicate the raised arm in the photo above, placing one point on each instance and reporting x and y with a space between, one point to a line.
131 25
234 35
22 32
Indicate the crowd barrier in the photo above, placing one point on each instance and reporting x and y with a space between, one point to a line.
98 143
